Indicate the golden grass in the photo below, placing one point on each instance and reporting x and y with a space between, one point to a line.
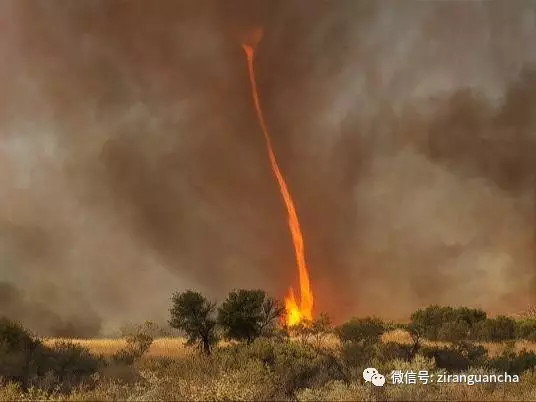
397 335
161 347
100 346
495 349
174 347
168 347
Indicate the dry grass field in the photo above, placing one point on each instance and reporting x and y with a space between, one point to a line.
174 347
161 347
172 371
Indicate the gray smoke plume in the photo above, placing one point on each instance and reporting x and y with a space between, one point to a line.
133 165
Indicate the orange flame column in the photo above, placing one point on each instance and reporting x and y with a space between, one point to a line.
295 313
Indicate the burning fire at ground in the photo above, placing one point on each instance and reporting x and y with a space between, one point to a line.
295 312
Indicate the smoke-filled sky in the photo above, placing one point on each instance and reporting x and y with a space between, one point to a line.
133 164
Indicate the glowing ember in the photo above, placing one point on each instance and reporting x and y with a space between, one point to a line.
294 313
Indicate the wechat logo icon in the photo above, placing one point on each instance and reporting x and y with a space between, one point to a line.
372 375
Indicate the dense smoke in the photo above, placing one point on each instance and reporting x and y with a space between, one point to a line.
133 165
44 321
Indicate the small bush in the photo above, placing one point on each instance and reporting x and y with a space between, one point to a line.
457 357
298 366
15 336
154 329
526 329
513 363
252 381
17 351
65 365
295 365
495 330
357 355
419 362
120 372
138 343
394 351
26 361
453 331
361 330
68 360
446 323
314 332
359 338
261 349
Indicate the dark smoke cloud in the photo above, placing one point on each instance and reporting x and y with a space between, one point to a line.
15 305
133 165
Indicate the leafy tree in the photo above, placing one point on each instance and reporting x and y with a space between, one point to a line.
192 313
247 314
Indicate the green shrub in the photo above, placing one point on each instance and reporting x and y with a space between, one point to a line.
65 365
252 381
446 323
469 315
419 362
295 365
357 354
495 329
151 328
526 329
119 372
387 351
15 336
457 357
17 350
359 338
248 314
361 330
513 363
138 343
261 349
314 332
452 331
298 366
26 361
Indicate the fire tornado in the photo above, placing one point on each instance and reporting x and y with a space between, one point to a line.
295 313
